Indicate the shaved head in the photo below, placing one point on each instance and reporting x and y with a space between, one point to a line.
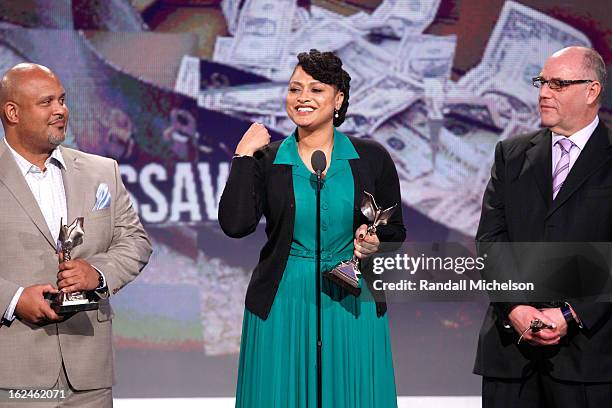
591 63
13 80
570 108
33 110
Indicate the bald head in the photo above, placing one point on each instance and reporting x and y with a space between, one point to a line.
21 73
590 62
33 110
567 108
15 82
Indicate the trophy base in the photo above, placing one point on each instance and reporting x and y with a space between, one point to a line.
61 309
344 276
71 306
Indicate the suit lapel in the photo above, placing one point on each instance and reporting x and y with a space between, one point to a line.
596 153
75 197
539 156
14 181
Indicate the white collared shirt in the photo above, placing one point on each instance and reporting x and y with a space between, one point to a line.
48 190
47 187
580 139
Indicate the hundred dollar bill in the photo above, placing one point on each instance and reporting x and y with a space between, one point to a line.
522 25
520 43
440 195
471 129
373 104
364 62
301 18
426 56
468 133
460 157
399 17
262 33
264 99
188 78
223 46
525 36
468 161
221 54
405 137
462 112
387 44
323 34
198 76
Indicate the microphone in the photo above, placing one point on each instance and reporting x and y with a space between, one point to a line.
318 162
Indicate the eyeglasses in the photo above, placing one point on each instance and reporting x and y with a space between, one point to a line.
555 83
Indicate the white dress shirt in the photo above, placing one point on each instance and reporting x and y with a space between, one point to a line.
580 139
48 190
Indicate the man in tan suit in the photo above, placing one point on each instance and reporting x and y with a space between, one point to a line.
42 182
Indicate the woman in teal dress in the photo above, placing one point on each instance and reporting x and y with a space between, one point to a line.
277 366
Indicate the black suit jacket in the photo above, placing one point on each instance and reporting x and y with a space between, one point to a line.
256 186
518 207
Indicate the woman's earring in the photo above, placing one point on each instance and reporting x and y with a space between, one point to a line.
335 113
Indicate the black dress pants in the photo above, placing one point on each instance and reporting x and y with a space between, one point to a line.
540 390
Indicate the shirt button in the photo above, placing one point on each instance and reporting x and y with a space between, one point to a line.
324 205
324 227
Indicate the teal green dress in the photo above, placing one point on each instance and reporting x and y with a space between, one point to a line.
277 367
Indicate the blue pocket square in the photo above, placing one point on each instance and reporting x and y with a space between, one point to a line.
103 197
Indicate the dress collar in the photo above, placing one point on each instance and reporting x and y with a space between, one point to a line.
26 167
581 137
288 153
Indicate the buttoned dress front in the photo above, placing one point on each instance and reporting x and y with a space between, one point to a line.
277 366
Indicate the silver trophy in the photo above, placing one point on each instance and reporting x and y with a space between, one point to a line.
71 236
346 273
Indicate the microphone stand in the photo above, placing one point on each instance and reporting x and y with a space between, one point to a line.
318 288
319 163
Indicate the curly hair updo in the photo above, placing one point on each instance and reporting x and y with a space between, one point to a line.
327 68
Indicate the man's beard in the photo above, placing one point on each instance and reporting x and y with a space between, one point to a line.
56 140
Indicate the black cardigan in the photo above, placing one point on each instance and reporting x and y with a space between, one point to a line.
256 186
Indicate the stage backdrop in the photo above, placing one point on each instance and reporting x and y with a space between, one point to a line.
167 88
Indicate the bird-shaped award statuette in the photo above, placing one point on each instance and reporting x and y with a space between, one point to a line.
346 273
71 236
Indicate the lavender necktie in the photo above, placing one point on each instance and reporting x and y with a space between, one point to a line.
562 167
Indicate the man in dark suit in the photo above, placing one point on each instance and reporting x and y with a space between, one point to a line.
553 185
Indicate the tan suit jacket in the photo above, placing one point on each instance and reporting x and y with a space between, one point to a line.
114 242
